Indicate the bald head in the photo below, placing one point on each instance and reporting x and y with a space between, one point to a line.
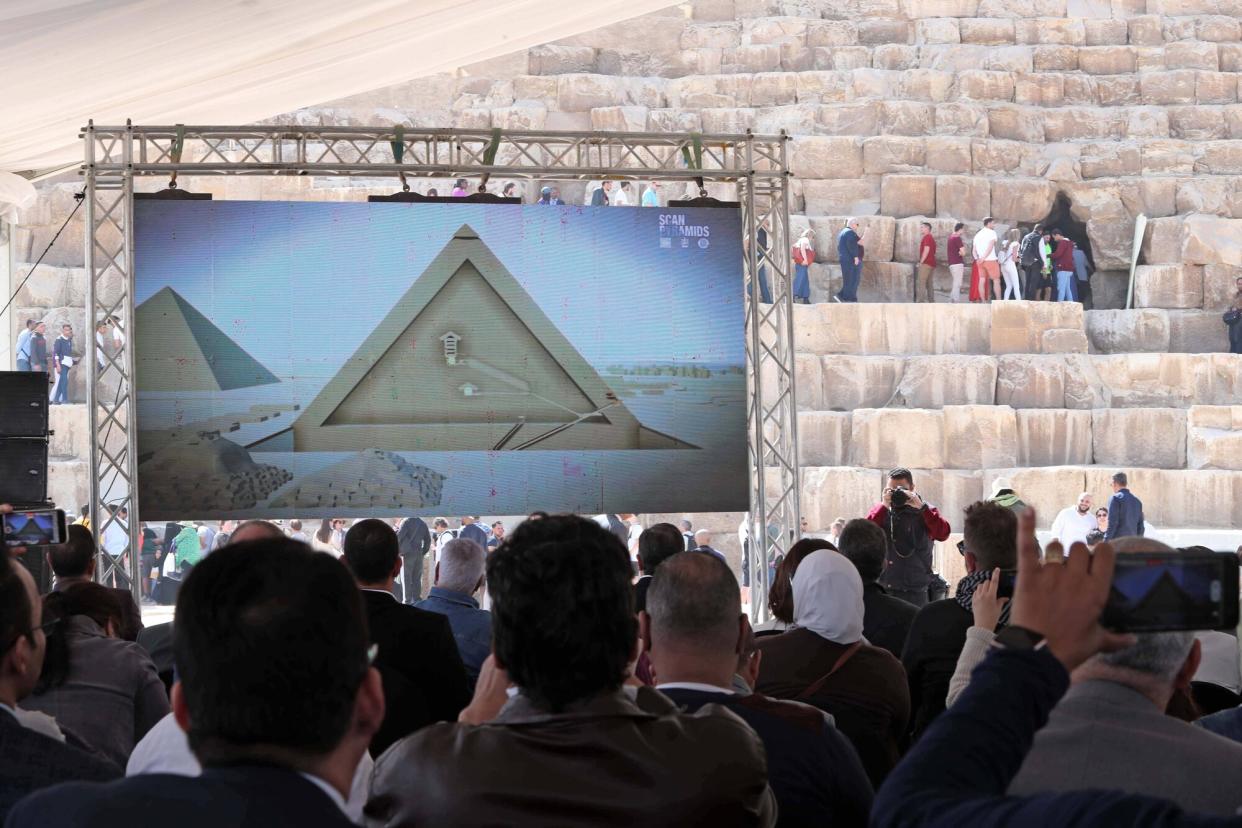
702 538
255 530
693 602
1131 545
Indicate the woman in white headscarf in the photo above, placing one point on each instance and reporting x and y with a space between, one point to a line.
824 660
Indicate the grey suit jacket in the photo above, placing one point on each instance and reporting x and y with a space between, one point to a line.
1103 735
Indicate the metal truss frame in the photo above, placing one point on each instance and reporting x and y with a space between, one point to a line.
757 164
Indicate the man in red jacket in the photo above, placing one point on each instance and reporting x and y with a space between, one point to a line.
1063 264
911 526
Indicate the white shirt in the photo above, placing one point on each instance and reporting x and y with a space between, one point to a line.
115 538
165 749
1071 526
619 198
980 244
696 686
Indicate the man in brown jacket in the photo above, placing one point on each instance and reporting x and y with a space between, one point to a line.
571 746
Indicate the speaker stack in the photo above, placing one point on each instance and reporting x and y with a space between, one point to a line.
23 438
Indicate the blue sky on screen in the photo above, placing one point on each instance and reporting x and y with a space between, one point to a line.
300 285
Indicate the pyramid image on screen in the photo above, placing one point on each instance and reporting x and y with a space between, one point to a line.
182 350
467 361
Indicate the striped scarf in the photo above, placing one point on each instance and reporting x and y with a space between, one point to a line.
966 592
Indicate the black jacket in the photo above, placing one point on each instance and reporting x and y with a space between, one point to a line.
813 769
423 676
414 538
239 797
30 761
936 638
886 620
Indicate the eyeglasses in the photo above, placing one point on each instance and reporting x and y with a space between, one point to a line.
961 547
45 627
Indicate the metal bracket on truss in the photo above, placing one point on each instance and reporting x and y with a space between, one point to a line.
757 164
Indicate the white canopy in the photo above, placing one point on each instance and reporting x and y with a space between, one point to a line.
63 62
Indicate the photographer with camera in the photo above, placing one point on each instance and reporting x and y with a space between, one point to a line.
911 526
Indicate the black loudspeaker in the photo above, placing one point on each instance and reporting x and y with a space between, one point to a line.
23 404
23 471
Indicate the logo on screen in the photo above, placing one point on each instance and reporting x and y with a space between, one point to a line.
675 226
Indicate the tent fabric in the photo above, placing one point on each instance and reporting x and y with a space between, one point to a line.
239 61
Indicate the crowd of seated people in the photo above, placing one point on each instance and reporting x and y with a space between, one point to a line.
304 694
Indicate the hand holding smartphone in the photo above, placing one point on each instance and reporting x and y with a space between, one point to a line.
34 527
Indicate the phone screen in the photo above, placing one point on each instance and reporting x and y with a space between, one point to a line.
41 527
1173 591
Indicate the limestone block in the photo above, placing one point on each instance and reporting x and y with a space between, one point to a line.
985 86
1109 159
1170 380
620 118
1000 158
1011 59
823 156
831 491
1051 31
1053 437
848 119
908 235
919 9
905 118
773 88
49 287
949 379
1166 88
1216 87
1105 32
961 119
908 195
1212 240
1082 90
68 483
895 56
823 438
712 35
1145 30
886 282
1178 498
852 382
751 58
71 431
824 87
980 436
1214 437
963 197
1148 122
1055 58
674 120
1149 58
1021 199
1119 90
773 29
1162 241
1128 331
987 31
950 491
1168 286
831 33
881 435
947 154
1230 57
1191 55
1049 489
728 120
1044 89
533 88
952 58
1018 327
1148 437
558 60
1063 341
873 31
1077 123
1219 157
1157 197
844 196
1196 332
1030 381
846 58
874 83
926 85
1106 60
1016 123
886 154
581 92
936 30
1199 123
1220 285
1011 9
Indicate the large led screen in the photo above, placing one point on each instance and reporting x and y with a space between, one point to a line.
350 359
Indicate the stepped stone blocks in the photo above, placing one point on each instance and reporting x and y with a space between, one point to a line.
980 436
70 427
1122 331
937 381
917 436
832 491
824 438
68 482
1215 437
1149 437
1053 437
1211 499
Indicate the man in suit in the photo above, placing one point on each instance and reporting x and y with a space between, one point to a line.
276 693
695 632
656 544
571 747
1125 511
423 675
1110 730
29 759
887 619
413 540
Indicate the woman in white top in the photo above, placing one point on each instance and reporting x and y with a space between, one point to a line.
322 540
1008 257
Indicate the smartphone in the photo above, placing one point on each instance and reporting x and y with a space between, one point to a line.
1160 592
38 527
1004 589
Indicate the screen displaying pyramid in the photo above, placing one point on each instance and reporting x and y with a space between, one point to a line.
501 358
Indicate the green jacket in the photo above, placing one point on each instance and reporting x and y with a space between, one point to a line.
188 549
1010 501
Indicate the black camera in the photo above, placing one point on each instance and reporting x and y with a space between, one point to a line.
899 496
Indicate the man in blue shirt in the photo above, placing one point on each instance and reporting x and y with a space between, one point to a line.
459 575
23 346
62 360
851 262
1125 511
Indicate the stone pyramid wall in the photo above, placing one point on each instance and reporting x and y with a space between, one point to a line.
904 109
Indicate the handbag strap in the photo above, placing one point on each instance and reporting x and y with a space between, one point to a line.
844 657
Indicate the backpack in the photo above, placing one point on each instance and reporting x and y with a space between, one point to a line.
1029 251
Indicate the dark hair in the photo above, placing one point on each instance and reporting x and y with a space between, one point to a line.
900 473
988 220
324 534
433 192
866 546
991 535
657 544
780 593
461 182
926 224
72 558
508 187
537 516
271 646
695 598
371 550
1120 478
1038 228
958 226
563 620
96 602
16 612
